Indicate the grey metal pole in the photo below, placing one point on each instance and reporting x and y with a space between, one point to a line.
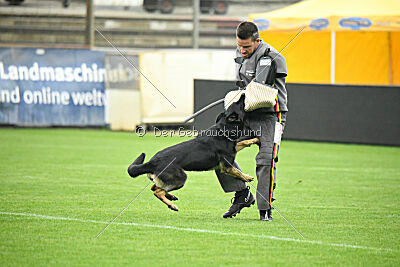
196 12
89 32
203 109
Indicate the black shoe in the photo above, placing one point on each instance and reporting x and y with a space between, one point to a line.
266 215
242 199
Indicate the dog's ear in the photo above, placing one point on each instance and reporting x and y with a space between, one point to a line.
240 111
241 101
222 114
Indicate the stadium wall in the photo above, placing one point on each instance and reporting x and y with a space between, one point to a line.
339 113
123 109
332 113
167 95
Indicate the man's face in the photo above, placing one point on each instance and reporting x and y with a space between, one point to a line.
247 47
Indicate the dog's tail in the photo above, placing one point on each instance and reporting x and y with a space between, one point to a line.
137 167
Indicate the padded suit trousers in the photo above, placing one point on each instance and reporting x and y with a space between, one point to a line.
267 129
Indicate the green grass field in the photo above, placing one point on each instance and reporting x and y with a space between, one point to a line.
60 187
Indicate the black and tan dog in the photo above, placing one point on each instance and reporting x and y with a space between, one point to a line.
213 149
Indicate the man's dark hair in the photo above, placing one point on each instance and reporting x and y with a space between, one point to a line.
247 29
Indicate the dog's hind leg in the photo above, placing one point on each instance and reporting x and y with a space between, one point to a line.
161 195
171 197
167 195
236 173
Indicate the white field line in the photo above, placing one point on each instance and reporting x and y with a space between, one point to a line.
46 217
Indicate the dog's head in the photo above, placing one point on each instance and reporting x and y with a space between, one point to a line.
233 120
237 109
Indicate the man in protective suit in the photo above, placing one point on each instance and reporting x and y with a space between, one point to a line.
257 60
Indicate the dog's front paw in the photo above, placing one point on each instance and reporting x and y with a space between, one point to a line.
246 143
255 141
248 178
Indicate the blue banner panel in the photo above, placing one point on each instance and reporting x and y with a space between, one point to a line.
59 87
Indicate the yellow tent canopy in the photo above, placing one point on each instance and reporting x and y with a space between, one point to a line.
348 42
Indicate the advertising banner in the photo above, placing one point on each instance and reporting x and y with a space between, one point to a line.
52 87
120 72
